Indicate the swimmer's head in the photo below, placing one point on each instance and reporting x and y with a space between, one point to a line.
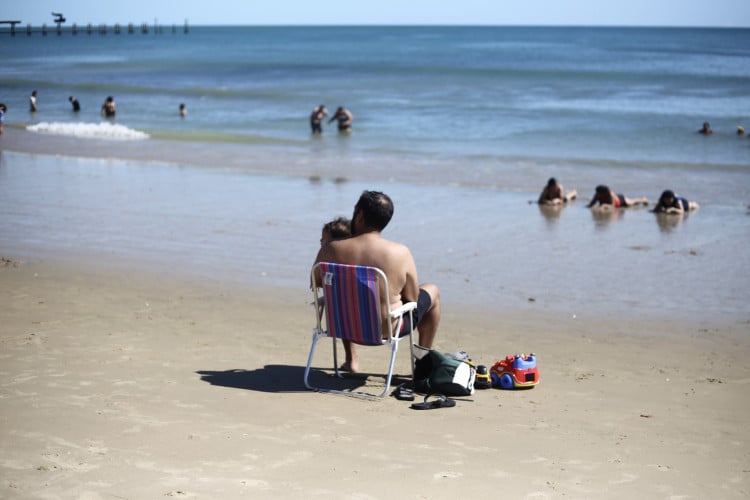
740 130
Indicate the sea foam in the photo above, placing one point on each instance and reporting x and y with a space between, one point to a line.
89 130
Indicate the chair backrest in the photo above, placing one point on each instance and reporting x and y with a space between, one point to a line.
353 302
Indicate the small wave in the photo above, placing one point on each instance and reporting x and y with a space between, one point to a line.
89 130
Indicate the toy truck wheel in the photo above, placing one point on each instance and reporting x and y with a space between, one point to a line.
506 381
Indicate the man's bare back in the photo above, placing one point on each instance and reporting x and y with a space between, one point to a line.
371 249
368 248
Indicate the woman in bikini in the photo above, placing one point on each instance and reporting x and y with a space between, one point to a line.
606 198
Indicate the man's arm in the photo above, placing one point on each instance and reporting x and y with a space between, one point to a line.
410 292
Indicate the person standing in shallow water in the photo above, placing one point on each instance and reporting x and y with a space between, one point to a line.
32 102
316 119
3 110
74 102
183 110
109 108
345 118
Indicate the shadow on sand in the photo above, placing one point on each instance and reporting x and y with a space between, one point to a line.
286 378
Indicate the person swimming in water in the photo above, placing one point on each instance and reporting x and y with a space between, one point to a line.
706 129
606 198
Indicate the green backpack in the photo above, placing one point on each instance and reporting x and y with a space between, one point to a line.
438 373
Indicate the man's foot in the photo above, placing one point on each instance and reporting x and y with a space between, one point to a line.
349 366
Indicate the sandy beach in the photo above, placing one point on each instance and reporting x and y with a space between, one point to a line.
156 318
127 384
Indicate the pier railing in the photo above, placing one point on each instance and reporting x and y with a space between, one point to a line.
10 28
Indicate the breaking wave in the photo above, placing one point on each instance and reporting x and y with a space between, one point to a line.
89 130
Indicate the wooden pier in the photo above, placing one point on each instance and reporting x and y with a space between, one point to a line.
87 29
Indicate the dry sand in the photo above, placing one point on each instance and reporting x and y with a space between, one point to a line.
128 385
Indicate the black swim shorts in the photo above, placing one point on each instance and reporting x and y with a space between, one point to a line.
424 302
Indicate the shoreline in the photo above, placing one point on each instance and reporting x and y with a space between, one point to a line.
489 251
307 159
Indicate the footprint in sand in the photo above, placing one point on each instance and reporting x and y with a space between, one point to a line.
447 475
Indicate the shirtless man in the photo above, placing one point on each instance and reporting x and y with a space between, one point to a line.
316 118
367 247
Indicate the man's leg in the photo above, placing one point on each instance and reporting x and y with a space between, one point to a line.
352 359
429 322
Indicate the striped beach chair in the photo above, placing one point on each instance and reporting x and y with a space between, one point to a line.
355 303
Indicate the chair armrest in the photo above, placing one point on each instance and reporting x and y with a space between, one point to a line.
409 306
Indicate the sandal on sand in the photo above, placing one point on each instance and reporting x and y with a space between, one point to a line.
440 402
403 393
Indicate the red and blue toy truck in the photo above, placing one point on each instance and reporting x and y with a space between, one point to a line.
515 372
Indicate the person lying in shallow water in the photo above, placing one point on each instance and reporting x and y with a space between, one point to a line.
606 198
554 194
669 203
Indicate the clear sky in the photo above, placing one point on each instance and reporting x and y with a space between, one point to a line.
720 13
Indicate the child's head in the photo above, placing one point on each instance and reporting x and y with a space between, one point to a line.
340 227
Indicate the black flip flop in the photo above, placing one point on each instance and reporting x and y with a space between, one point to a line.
403 393
440 402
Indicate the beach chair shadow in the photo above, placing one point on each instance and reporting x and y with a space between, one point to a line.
270 378
356 305
279 379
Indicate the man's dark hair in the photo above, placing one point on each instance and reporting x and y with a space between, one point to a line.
376 207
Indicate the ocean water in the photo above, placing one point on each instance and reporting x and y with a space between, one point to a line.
483 95
461 125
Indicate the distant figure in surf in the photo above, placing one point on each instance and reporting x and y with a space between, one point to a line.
554 194
32 102
316 119
606 199
706 129
183 110
74 102
344 117
109 107
3 110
